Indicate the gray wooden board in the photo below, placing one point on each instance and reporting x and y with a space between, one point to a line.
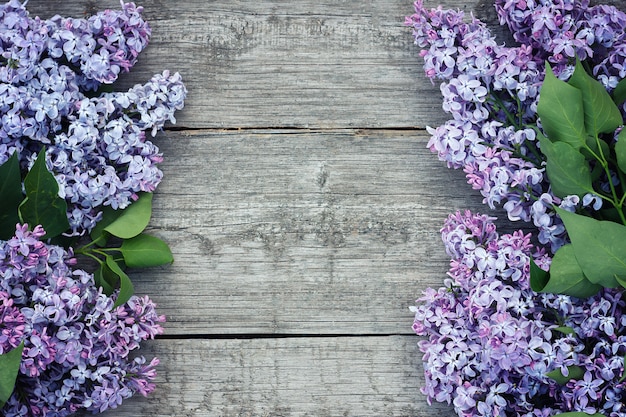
308 244
303 63
316 377
299 232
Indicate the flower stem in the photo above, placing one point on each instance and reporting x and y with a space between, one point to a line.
615 200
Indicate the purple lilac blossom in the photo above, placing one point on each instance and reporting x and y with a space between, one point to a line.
77 345
561 30
490 340
491 92
101 46
96 143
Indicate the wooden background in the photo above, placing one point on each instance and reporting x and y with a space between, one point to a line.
300 202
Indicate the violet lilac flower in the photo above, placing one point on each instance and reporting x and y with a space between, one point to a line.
491 91
77 344
491 341
96 145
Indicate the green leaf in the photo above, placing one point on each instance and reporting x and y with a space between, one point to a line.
621 281
109 215
574 372
566 276
129 222
145 251
564 330
601 113
42 205
538 277
9 367
561 111
566 168
602 150
619 94
599 246
126 285
98 235
10 196
620 150
101 279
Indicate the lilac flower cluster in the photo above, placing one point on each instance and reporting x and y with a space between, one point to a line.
491 341
492 90
76 343
50 75
561 30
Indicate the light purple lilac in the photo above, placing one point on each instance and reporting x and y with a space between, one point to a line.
50 75
490 340
79 350
491 91
561 30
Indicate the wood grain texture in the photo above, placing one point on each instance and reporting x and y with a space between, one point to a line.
304 63
303 230
315 377
300 232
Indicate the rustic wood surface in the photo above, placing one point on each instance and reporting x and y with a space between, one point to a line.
300 202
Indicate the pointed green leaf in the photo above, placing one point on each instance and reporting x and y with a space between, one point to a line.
566 276
564 330
109 215
9 367
566 168
601 113
129 222
538 277
10 196
145 251
619 94
574 372
100 279
620 150
126 285
602 150
98 235
560 109
599 246
42 205
621 281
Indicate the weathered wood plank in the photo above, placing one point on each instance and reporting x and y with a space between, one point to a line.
327 235
304 63
300 232
317 377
